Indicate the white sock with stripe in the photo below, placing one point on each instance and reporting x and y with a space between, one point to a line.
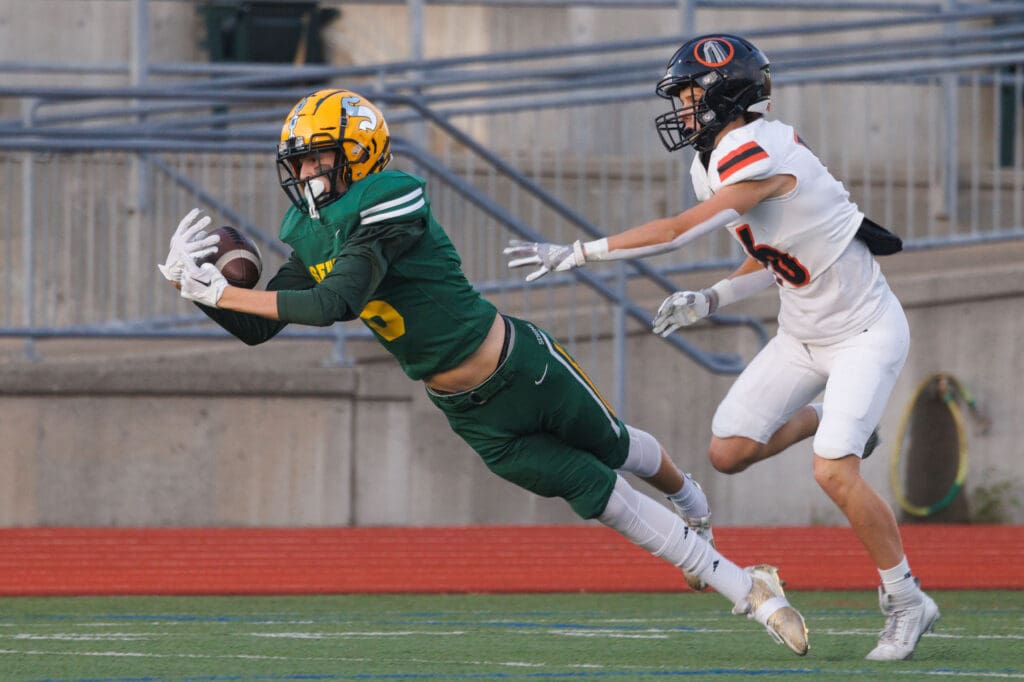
691 500
665 535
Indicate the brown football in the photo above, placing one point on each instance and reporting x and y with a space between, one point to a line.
237 257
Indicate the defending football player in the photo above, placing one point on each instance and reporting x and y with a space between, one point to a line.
365 244
841 328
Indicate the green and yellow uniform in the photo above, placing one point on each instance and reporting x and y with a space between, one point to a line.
377 253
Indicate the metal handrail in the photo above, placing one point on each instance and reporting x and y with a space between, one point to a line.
437 100
799 65
270 75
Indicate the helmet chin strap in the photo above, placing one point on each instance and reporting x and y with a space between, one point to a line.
311 191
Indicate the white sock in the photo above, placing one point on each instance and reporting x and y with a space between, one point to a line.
665 535
898 580
691 500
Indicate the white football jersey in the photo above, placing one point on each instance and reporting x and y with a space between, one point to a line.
830 285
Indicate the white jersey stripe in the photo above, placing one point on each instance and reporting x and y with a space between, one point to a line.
380 217
391 204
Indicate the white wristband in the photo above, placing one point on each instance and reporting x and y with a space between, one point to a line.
596 250
723 289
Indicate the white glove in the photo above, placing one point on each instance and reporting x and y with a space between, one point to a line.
682 309
550 257
188 242
202 284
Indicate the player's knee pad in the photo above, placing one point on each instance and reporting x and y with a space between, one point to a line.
644 456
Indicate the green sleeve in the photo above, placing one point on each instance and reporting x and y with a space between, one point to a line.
357 272
253 329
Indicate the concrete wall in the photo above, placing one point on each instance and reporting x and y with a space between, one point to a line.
214 433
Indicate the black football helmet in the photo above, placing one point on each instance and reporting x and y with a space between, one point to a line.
735 77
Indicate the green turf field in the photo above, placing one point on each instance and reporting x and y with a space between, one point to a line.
607 637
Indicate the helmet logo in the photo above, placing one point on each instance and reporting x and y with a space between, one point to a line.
351 108
294 120
714 52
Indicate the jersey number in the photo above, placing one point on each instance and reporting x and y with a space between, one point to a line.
382 318
781 263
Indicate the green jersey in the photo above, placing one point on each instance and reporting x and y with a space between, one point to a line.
377 253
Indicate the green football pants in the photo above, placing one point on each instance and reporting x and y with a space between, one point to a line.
540 423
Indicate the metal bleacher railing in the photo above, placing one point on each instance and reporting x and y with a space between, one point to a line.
924 127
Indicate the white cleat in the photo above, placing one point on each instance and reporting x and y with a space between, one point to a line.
702 527
904 625
767 604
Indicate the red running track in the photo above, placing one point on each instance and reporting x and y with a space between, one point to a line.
121 561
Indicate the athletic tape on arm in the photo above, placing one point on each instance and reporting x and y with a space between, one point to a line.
598 250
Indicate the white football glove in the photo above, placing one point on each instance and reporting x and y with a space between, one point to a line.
188 242
202 284
682 309
550 257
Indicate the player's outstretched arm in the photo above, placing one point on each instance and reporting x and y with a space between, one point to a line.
652 238
668 234
562 257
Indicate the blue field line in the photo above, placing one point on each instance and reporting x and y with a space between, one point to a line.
511 612
454 676
577 675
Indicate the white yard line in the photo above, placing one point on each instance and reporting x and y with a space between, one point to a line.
74 637
964 673
115 654
945 635
607 635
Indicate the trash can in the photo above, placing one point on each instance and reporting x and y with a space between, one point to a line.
267 32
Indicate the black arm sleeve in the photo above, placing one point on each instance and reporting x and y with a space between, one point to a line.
356 274
253 329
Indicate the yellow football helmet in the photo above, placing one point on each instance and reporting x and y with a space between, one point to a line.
331 121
